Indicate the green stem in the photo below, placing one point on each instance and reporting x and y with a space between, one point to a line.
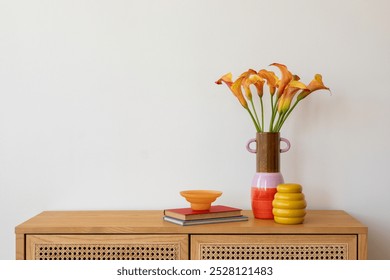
257 118
280 118
262 112
272 114
253 119
287 114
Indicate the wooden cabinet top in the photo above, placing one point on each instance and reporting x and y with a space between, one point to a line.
151 221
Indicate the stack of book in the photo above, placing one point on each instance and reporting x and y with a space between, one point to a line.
216 214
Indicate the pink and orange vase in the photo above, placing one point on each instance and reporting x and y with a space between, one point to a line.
268 175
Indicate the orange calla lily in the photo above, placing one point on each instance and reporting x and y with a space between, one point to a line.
292 88
234 87
315 84
271 78
227 79
251 78
286 78
244 83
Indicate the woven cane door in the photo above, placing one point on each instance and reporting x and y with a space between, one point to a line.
273 247
107 247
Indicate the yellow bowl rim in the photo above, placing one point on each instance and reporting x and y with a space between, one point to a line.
200 192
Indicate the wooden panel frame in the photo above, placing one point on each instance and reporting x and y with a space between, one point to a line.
362 247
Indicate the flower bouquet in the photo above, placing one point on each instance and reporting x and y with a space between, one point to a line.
286 92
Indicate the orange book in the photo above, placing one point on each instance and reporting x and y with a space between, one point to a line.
215 211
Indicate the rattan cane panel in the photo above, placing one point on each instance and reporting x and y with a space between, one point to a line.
274 252
107 252
107 247
273 247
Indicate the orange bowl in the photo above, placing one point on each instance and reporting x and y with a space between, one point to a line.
200 199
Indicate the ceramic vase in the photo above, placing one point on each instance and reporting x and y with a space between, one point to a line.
268 175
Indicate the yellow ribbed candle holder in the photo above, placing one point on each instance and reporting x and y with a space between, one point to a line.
289 204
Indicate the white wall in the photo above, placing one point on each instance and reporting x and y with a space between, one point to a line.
112 104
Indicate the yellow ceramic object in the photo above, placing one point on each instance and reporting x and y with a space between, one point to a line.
289 221
289 188
289 212
289 196
289 204
200 199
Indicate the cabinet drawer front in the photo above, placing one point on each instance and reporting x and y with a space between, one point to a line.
106 247
273 247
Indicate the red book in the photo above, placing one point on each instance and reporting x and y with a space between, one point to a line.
215 211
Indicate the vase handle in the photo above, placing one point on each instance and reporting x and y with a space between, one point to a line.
253 151
248 146
287 143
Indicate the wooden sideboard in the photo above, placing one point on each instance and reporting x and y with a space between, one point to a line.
143 235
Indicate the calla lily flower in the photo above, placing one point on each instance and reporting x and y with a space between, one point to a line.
234 87
227 79
251 78
315 84
271 78
292 88
286 78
